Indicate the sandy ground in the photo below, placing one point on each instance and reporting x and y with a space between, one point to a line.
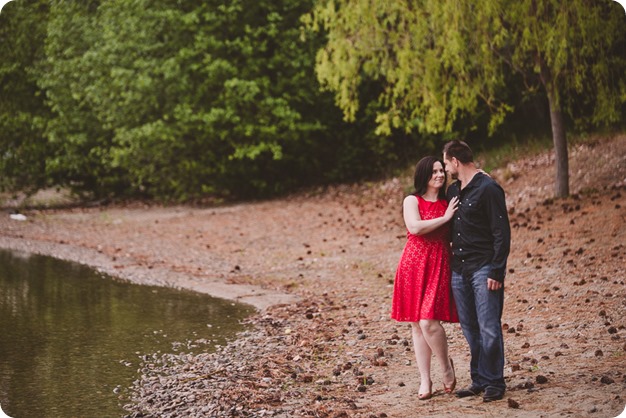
320 266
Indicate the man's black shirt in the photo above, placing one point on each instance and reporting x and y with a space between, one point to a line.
481 233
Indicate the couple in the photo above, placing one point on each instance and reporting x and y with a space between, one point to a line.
465 284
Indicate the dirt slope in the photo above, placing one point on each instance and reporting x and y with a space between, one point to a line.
320 267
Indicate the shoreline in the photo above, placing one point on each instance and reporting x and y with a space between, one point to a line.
252 295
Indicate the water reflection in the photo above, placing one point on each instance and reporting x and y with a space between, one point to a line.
70 338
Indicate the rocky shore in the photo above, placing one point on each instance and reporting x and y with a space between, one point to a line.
319 267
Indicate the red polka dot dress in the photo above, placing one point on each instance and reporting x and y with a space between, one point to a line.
422 288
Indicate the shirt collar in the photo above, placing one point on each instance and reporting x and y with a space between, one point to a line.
475 181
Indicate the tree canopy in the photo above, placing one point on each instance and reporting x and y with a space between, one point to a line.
173 101
183 100
440 61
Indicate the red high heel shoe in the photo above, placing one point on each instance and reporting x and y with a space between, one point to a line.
453 385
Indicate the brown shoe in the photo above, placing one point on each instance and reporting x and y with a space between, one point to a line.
470 391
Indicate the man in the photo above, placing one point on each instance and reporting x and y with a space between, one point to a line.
480 246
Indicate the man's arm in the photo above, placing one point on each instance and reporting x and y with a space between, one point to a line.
495 205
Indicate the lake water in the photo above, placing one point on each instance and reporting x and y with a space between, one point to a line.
71 339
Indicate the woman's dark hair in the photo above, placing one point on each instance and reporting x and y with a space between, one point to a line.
423 174
459 150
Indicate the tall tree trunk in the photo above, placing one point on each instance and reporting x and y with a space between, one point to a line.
558 132
560 148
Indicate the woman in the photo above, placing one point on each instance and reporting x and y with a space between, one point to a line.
422 293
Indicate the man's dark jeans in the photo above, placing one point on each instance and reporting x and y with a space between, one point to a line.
480 311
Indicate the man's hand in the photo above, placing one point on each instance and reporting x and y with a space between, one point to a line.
493 284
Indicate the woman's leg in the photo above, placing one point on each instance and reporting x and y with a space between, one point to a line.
435 337
423 354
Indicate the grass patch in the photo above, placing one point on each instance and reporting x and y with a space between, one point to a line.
499 157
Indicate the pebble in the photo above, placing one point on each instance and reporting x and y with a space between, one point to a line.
513 403
607 380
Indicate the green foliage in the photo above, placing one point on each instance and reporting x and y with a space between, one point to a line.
430 57
181 100
22 110
439 59
442 63
66 74
178 101
576 50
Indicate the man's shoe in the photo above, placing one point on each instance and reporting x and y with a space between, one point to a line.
493 394
470 391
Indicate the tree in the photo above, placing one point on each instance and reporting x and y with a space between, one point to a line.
441 60
157 98
575 51
179 101
80 156
22 109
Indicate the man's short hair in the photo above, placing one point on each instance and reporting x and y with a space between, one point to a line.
459 150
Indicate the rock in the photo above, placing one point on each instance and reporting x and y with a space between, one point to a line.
513 404
541 379
607 380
